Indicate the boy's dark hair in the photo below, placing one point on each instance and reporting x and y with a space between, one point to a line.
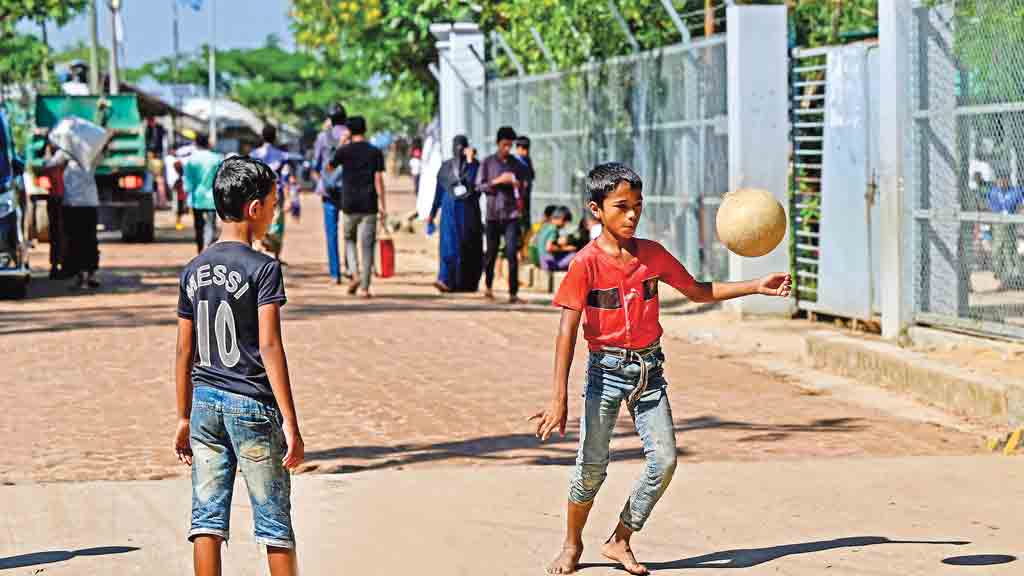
549 210
338 114
506 133
523 141
563 212
269 134
202 140
240 180
604 178
357 125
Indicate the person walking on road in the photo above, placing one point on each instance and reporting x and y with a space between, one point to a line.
334 135
272 156
459 204
199 172
497 180
614 282
80 209
363 200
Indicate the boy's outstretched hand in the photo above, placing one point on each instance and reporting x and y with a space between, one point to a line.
777 284
550 419
182 445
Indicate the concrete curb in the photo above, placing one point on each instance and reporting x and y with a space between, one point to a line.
893 367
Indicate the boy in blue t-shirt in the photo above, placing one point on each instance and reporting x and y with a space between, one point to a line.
235 407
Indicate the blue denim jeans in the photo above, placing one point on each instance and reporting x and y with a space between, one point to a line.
610 380
232 431
331 213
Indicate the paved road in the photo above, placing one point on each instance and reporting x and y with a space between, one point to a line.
409 379
837 516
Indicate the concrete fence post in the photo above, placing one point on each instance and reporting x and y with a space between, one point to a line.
461 77
895 20
759 131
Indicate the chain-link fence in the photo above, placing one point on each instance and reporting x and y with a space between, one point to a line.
661 112
965 162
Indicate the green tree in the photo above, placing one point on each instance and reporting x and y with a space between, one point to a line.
57 11
293 87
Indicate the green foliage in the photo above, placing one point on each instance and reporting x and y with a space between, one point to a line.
392 37
292 87
57 11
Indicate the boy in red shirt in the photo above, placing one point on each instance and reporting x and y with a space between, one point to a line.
614 281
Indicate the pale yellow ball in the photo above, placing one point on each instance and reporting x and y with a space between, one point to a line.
750 222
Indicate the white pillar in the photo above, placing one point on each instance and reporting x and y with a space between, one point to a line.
759 132
461 73
895 21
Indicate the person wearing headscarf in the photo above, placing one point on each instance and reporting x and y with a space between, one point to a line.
456 197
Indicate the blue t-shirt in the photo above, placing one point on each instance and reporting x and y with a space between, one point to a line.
221 291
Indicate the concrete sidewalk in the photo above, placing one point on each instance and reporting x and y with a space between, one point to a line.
829 516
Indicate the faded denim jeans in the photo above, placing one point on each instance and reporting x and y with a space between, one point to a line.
232 431
610 380
361 227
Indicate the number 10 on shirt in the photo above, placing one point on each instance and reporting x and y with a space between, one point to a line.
224 332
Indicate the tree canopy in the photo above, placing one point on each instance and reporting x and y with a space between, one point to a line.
393 37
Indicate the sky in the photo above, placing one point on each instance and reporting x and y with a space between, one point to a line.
148 26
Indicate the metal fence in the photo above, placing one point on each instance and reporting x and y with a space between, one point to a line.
965 164
807 121
663 112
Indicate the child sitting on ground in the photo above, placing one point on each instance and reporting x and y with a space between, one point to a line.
235 407
555 250
613 282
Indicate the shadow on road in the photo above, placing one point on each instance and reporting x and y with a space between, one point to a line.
750 557
557 451
53 556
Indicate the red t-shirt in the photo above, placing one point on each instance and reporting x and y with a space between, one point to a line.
620 300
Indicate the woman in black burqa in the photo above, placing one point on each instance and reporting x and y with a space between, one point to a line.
461 227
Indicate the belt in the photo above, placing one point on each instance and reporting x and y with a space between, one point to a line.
628 355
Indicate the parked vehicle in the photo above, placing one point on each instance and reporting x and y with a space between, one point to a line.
126 200
14 269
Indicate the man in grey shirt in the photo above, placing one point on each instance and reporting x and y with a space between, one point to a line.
497 180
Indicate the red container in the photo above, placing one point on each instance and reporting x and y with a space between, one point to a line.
387 257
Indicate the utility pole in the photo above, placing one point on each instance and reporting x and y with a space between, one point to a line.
174 71
213 73
709 18
94 57
115 81
46 62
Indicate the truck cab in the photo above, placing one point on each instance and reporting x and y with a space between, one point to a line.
126 200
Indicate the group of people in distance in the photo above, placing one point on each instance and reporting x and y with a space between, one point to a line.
505 180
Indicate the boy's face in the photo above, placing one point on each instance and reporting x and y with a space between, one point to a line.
261 213
524 152
558 221
504 147
620 212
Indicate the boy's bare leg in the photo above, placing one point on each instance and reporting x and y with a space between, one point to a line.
572 548
282 561
617 548
206 552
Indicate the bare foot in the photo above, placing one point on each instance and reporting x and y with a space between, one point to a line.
619 551
566 561
516 300
489 294
353 287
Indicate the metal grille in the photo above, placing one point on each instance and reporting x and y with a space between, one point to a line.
807 118
662 112
966 165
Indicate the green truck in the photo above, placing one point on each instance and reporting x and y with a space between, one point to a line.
126 194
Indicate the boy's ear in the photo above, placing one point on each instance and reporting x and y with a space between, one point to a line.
251 208
594 209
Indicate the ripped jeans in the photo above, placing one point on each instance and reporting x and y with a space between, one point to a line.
610 380
230 431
